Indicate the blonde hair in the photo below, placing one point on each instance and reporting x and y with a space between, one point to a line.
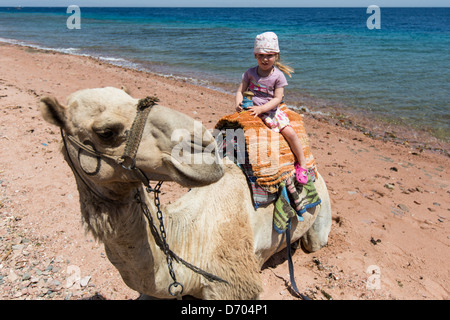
284 68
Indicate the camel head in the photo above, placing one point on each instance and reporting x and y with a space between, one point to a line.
173 147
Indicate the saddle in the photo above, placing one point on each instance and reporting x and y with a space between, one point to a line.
269 154
268 163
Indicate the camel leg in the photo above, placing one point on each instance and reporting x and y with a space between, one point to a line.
317 235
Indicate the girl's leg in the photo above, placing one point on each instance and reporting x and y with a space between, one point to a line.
295 145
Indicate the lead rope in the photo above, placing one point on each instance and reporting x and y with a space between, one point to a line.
291 265
160 239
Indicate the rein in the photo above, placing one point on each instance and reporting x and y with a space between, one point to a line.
128 162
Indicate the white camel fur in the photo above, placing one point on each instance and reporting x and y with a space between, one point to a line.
214 226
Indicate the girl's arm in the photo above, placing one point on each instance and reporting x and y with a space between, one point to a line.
239 95
277 98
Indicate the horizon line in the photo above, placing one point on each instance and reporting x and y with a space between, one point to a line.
236 7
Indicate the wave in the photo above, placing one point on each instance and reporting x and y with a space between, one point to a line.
22 43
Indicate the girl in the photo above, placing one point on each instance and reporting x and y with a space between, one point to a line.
267 81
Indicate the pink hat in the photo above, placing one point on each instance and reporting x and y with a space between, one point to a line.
266 42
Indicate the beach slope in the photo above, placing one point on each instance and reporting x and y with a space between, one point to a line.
390 235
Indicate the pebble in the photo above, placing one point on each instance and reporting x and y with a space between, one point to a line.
56 269
26 276
12 276
18 247
84 281
28 272
397 212
403 207
41 283
375 242
389 186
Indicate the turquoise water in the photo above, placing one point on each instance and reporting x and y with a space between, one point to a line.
398 74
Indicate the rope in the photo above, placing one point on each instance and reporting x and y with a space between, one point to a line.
135 134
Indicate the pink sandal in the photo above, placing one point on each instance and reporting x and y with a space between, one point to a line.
301 174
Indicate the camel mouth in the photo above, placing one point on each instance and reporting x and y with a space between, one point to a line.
193 170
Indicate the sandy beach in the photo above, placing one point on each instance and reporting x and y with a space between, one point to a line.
391 203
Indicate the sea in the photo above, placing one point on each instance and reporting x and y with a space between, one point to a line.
389 67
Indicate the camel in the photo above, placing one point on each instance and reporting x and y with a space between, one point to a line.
214 226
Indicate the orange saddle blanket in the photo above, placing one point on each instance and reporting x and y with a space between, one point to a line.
269 154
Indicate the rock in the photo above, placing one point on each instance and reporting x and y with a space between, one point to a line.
84 281
41 283
26 276
55 285
403 207
374 242
25 283
18 247
389 186
12 276
56 269
68 296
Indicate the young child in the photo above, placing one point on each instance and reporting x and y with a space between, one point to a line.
267 81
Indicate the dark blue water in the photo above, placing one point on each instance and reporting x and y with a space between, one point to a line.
398 74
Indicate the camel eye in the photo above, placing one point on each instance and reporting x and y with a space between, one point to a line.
106 134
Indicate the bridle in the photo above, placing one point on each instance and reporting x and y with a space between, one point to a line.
128 162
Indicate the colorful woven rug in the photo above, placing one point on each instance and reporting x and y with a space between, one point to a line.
268 152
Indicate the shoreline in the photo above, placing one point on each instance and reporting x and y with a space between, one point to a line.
335 113
390 202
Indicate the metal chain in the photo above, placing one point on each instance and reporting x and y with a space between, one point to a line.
160 239
163 235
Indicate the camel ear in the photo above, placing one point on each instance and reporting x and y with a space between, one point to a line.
52 111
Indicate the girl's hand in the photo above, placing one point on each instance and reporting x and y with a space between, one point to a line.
239 107
255 111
